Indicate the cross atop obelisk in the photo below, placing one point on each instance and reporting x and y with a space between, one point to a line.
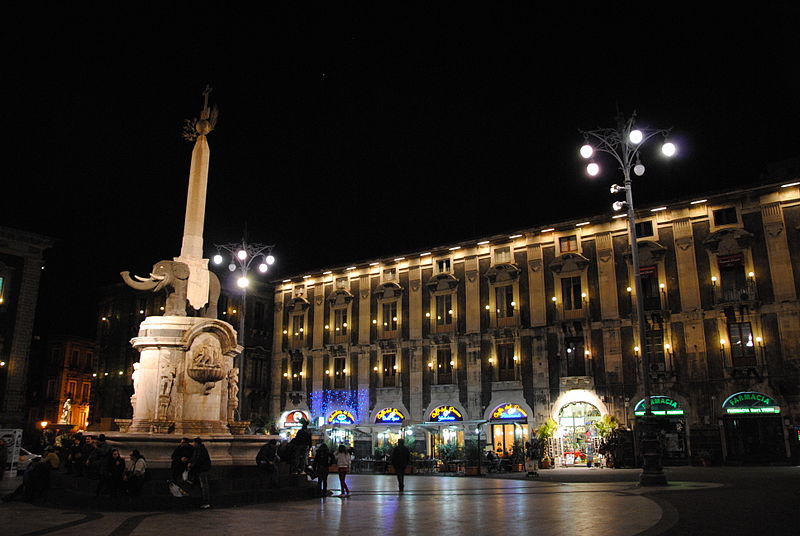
192 245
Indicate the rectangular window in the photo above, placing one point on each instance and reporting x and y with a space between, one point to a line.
568 243
340 322
576 356
85 392
733 284
297 374
650 288
655 349
72 389
443 266
743 350
643 229
444 366
506 364
505 301
502 255
444 309
725 216
390 316
389 370
297 326
51 389
571 293
339 372
75 359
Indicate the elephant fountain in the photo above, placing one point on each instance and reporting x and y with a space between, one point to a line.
172 277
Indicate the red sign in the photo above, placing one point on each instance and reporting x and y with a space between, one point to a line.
294 419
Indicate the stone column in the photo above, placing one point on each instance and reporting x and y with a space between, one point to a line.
536 290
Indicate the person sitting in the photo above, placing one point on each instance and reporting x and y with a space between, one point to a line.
35 482
135 473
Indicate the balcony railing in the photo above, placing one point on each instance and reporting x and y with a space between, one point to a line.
744 292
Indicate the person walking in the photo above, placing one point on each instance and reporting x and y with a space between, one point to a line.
323 459
343 460
400 459
199 466
180 459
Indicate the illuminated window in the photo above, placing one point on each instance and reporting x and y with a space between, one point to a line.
743 351
504 297
502 255
390 316
444 367
298 326
389 370
506 364
571 293
340 322
568 243
444 309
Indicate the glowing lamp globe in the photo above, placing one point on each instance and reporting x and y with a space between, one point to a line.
243 282
593 169
635 136
669 149
262 267
242 254
217 259
270 259
587 151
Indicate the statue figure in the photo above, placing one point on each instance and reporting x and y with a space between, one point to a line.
136 377
66 411
233 393
167 379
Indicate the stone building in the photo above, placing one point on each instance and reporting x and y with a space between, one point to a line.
121 310
69 373
21 262
488 339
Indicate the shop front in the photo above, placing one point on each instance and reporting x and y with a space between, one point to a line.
672 425
576 440
508 426
291 421
753 429
340 427
388 428
446 430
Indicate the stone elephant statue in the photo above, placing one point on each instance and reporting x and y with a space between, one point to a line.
173 277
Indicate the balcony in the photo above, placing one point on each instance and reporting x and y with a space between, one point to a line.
742 293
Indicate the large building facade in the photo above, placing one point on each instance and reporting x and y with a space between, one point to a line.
21 263
489 339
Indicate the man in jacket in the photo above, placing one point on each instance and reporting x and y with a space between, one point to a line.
400 459
199 466
266 460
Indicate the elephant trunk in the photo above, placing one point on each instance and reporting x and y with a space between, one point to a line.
147 284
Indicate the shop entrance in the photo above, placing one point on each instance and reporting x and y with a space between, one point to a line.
754 439
505 435
444 439
578 438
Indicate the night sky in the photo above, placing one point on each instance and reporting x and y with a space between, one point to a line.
355 132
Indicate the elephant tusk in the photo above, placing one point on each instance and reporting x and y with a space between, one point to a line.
157 277
140 278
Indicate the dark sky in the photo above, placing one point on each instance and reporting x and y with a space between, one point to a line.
355 132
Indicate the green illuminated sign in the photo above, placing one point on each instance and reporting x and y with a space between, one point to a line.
750 403
660 405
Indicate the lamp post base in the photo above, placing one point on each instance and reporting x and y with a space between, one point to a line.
652 469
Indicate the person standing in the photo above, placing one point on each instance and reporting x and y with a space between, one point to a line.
323 459
199 466
266 460
134 473
401 458
343 459
180 459
302 441
116 472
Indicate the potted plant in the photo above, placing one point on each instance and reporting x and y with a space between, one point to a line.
447 453
605 427
543 434
518 456
472 454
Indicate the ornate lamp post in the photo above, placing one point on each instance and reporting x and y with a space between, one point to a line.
243 255
624 144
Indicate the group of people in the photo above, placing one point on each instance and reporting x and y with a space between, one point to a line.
84 456
190 465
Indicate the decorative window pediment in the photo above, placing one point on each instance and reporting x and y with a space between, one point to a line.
388 291
728 241
298 304
503 272
442 282
340 297
650 253
569 262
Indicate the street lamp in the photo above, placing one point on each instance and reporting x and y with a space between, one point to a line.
624 144
243 255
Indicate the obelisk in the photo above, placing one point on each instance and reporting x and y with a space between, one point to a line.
192 245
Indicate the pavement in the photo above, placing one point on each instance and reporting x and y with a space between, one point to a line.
698 500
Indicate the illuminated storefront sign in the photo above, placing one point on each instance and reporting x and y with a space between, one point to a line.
389 416
295 419
660 405
446 414
750 403
341 417
509 412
